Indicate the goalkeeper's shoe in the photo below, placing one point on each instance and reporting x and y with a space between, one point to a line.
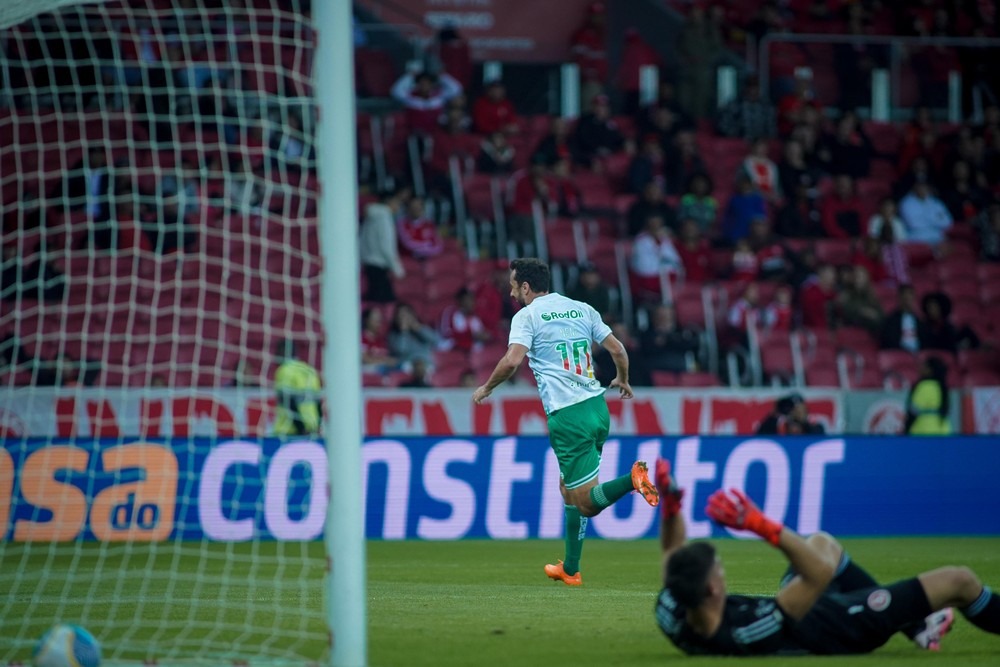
936 626
641 483
559 574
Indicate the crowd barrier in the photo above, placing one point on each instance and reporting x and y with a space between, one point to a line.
482 487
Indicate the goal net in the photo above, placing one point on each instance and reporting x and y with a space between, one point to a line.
160 251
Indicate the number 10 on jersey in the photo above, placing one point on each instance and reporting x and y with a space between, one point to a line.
579 350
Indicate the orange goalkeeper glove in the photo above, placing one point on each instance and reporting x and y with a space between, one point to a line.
670 493
735 510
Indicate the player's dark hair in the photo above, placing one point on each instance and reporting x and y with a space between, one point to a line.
533 271
687 573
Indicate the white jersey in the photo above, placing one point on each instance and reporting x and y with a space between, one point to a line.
558 333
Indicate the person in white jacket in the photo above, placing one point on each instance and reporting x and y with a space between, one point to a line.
379 248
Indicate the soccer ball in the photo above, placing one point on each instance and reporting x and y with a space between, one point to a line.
67 646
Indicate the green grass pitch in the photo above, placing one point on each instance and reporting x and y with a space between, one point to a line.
431 603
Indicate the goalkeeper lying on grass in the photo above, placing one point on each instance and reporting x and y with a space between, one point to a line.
826 603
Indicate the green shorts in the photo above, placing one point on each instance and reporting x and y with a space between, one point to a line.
577 434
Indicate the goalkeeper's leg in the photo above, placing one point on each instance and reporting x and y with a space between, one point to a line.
960 587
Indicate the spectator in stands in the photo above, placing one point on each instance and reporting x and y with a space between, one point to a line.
450 139
556 144
795 107
888 250
988 225
375 354
653 251
745 265
762 171
964 197
928 404
939 332
857 304
745 309
683 162
590 288
667 346
419 375
647 165
588 48
493 112
745 206
886 217
88 186
650 202
526 187
291 147
855 61
842 211
604 366
847 150
424 97
919 138
790 417
799 217
29 277
496 155
903 329
698 204
816 297
454 56
297 386
247 375
566 197
461 328
779 315
597 135
661 121
699 46
409 338
378 247
636 54
695 252
794 172
773 263
494 305
418 235
749 117
925 216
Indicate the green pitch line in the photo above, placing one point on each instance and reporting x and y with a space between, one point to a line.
429 603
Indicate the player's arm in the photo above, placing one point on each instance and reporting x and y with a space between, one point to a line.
815 567
673 530
504 370
620 356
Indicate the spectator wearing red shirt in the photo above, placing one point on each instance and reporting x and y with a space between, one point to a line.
772 258
778 315
588 48
565 195
695 252
493 112
451 139
524 188
556 144
636 54
460 326
375 356
494 307
762 171
745 264
418 235
816 295
453 52
424 97
793 107
738 317
842 211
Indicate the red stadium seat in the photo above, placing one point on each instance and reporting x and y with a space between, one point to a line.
699 379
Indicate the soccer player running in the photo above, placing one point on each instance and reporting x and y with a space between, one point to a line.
556 334
826 604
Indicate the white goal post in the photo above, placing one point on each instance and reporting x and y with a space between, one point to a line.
164 239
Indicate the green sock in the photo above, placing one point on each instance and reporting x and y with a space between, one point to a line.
607 494
576 529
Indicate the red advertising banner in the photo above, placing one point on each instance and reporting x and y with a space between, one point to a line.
496 30
231 412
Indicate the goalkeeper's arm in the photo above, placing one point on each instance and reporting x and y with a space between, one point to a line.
673 530
815 567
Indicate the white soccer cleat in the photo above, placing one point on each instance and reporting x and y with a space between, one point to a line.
936 626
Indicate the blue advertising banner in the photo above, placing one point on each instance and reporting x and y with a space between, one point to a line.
504 488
